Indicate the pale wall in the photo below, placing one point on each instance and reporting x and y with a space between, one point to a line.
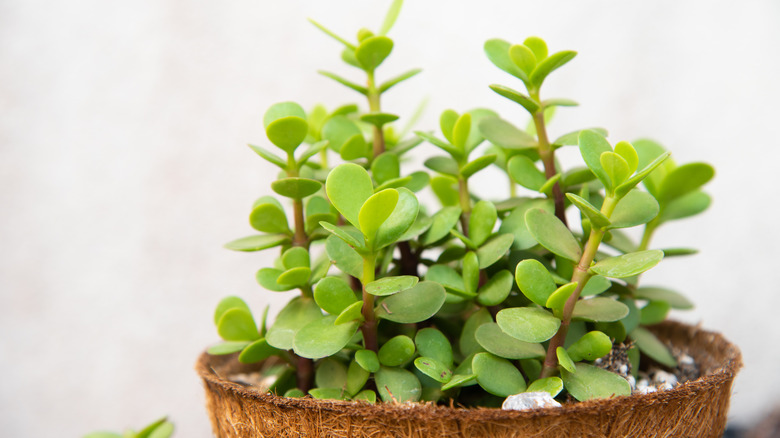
124 169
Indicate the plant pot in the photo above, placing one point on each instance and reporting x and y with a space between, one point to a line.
696 408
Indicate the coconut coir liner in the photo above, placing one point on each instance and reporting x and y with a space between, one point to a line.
695 408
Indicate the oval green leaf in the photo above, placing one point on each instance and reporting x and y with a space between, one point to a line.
589 382
322 337
493 339
348 187
391 285
552 234
413 305
600 309
497 376
528 324
627 265
396 385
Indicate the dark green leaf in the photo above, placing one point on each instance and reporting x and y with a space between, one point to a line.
386 167
649 344
396 351
322 337
432 343
413 305
442 223
330 374
552 234
333 295
493 339
357 376
496 290
345 258
397 385
654 312
497 376
433 369
528 324
468 342
590 382
495 248
523 171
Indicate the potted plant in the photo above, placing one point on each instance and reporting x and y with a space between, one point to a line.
436 315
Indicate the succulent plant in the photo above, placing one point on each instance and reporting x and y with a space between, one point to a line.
474 299
161 428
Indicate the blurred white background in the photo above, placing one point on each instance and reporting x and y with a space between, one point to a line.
124 168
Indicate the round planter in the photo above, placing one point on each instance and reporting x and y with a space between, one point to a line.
696 408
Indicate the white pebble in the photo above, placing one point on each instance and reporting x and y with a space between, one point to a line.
642 384
646 390
686 360
529 400
623 369
631 381
665 386
664 377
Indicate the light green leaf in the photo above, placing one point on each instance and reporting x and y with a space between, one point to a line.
523 171
649 344
285 125
447 277
654 312
495 248
459 380
396 385
636 208
365 395
398 79
591 346
442 222
460 131
296 314
515 222
396 351
592 145
372 52
538 46
439 143
648 170
228 303
237 324
344 235
347 83
257 243
599 309
477 164
534 281
348 187
497 376
296 257
572 138
328 393
391 16
227 347
257 351
386 167
357 376
378 119
368 360
432 343
493 339
296 188
441 164
330 374
615 167
444 187
523 58
294 277
497 52
268 278
433 369
270 157
564 360
399 221
628 153
686 205
590 382
528 324
345 258
375 212
552 234
596 285
333 295
322 337
627 265
551 385
333 35
504 134
517 97
447 122
413 305
550 64
557 299
468 342
339 130
683 180
391 285
674 299
481 222
597 219
496 290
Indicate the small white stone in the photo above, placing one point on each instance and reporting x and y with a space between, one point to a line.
665 386
646 390
623 369
529 400
631 381
642 384
686 360
663 377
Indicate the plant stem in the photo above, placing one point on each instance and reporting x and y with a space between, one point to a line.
369 325
648 234
547 154
375 107
304 373
581 277
465 204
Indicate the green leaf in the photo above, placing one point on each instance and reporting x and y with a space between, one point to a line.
345 258
398 79
597 219
550 103
296 314
268 278
294 393
654 312
365 395
599 309
495 248
294 277
674 299
615 167
396 351
523 58
481 222
470 273
342 234
468 342
564 360
399 221
396 385
523 171
434 344
339 130
378 119
285 125
270 157
636 208
496 290
442 222
348 187
375 212
547 187
228 303
550 64
649 151
628 153
391 285
477 164
497 52
630 321
391 16
596 285
504 134
528 324
333 35
591 346
257 243
368 360
459 380
552 234
447 122
372 52
649 344
360 89
333 295
627 265
413 305
296 257
517 97
357 377
649 170
322 337
441 164
103 435
433 369
683 180
515 222
557 299
439 143
590 382
497 376
327 393
330 374
386 167
460 131
493 339
538 46
257 351
534 281
227 347
296 188
592 145
687 205
572 138
237 324
551 385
